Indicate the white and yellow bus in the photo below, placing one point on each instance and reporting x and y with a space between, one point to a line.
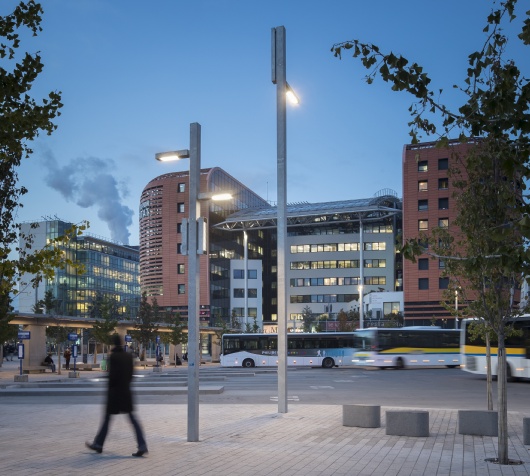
404 347
517 351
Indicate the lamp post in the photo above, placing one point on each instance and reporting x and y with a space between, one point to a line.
456 308
194 154
361 307
283 90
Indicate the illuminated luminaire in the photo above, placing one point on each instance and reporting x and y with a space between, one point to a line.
222 196
291 95
173 155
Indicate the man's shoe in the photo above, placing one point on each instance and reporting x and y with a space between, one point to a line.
93 447
140 453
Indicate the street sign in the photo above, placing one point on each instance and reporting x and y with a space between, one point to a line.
157 339
128 338
73 336
24 335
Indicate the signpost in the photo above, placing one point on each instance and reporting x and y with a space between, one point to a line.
22 335
73 337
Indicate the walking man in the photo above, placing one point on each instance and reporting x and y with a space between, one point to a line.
119 397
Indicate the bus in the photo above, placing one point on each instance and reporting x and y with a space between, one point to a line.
407 347
517 351
326 349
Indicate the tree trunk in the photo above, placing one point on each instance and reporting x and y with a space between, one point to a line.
58 358
502 404
489 387
95 352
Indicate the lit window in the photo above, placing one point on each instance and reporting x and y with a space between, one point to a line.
182 289
443 222
423 225
422 166
180 208
443 183
422 186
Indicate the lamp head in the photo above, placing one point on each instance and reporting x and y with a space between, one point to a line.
172 155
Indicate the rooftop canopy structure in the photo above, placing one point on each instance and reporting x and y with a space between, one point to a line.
383 205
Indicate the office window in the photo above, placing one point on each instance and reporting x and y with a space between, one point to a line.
443 204
423 264
423 225
443 283
443 222
443 183
179 248
391 308
441 264
239 293
423 284
423 205
252 293
422 166
252 274
181 269
239 273
180 208
182 289
423 186
443 164
179 227
182 187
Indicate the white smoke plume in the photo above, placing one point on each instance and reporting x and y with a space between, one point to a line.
89 183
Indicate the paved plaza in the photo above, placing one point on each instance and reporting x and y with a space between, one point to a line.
48 439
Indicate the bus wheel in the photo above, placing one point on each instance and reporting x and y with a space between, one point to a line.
328 363
248 363
400 365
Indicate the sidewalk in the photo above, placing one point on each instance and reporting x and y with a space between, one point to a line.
240 440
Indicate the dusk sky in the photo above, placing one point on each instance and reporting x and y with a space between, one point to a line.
134 74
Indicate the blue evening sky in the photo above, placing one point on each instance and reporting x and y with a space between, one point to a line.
134 74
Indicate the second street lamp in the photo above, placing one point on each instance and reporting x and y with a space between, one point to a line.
194 154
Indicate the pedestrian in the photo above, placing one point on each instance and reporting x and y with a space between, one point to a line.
67 354
50 361
119 397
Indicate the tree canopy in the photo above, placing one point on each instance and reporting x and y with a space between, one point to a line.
485 249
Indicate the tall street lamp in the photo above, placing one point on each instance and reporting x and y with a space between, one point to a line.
283 91
361 307
194 154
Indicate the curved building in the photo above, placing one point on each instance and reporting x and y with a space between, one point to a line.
164 204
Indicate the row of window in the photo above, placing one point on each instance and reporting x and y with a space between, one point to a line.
322 298
443 184
423 283
443 204
423 225
331 247
240 273
305 282
240 293
423 264
423 165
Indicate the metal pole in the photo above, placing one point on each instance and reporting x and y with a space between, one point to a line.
245 258
279 78
456 308
194 285
361 274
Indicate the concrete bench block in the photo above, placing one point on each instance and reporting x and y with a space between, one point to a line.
21 378
526 431
407 423
363 416
478 422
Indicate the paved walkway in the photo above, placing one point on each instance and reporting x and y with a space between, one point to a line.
309 440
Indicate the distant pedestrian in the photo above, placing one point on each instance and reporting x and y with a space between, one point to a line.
119 397
67 355
48 360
